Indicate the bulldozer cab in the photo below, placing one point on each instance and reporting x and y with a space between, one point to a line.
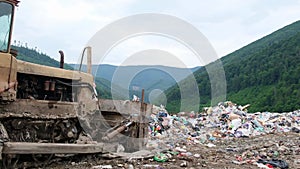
6 17
8 63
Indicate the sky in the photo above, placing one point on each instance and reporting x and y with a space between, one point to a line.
53 25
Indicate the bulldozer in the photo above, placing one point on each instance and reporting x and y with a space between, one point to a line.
46 111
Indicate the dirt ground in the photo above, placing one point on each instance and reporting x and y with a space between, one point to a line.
239 153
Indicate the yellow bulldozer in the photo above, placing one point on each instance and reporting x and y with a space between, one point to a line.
46 111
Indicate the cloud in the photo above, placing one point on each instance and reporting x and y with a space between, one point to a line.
54 25
143 43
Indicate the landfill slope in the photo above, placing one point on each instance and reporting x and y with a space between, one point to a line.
224 136
219 157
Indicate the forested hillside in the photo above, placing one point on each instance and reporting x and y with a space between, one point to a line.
265 74
33 56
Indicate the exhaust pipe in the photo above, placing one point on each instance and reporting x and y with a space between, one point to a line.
62 59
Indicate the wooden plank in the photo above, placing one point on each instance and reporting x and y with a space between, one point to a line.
141 121
50 148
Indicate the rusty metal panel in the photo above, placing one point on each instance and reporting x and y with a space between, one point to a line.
125 107
39 109
36 69
50 148
8 66
15 2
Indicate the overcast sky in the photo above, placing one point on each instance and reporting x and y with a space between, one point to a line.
53 25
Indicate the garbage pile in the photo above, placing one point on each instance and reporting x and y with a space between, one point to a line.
173 133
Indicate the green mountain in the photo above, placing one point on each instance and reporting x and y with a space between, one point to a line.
105 89
130 80
265 74
146 76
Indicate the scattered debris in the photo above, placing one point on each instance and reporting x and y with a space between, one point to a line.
226 121
224 136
